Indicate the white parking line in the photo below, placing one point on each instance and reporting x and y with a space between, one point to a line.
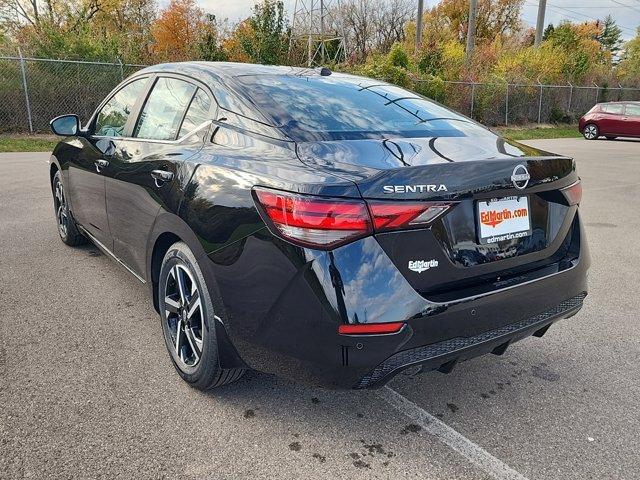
456 441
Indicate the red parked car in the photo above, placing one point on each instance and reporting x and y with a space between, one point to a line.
611 120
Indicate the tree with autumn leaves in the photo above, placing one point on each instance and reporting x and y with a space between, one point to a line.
135 31
78 29
378 32
178 30
183 31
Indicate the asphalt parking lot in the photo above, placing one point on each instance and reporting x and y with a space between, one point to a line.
87 389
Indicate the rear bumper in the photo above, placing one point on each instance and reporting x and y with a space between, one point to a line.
445 355
282 306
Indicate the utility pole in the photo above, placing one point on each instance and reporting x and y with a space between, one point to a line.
311 29
542 6
419 24
471 29
322 32
310 39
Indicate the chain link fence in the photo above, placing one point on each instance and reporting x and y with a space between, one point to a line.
35 90
516 104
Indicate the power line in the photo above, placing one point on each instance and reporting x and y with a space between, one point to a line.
632 30
624 5
591 6
562 10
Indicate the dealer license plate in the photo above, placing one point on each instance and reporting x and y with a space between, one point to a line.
503 219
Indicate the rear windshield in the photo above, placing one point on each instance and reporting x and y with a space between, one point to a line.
312 108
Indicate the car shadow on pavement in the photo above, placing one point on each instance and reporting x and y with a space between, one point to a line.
496 382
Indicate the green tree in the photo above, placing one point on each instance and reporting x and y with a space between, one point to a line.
611 36
548 31
270 39
578 47
629 67
78 43
496 18
84 29
398 56
209 47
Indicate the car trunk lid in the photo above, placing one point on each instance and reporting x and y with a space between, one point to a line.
474 175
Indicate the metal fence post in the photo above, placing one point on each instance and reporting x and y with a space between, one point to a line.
121 70
540 104
597 91
570 97
473 96
506 107
26 90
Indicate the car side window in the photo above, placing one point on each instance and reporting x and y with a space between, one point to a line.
197 114
614 108
164 109
113 116
633 110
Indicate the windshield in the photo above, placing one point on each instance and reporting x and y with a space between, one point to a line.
342 108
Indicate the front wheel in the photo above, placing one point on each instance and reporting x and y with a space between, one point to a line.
590 131
67 228
188 321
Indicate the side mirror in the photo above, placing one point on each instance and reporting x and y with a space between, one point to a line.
65 125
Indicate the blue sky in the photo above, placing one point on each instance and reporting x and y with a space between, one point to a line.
625 12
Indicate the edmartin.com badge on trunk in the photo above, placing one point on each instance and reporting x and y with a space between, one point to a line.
420 266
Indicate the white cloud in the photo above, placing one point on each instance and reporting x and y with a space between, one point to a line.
236 10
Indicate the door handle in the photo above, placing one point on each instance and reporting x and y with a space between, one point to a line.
100 164
161 176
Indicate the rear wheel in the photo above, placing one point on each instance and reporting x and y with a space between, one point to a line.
590 131
188 321
67 228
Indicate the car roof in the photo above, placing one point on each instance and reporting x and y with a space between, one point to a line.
226 74
221 71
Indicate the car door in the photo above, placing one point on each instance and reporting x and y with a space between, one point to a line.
86 174
149 161
612 120
632 119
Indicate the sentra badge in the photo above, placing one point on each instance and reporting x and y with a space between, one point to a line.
414 188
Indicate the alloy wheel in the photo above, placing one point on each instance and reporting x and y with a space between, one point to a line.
183 315
62 215
591 132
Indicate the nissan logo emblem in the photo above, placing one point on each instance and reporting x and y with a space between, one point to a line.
520 177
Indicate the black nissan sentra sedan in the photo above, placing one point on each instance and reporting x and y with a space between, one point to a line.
325 227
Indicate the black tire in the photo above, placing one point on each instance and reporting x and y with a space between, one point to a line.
611 138
590 131
67 228
190 339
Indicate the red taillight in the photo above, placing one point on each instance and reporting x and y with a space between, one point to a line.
401 215
326 223
370 328
315 221
573 193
